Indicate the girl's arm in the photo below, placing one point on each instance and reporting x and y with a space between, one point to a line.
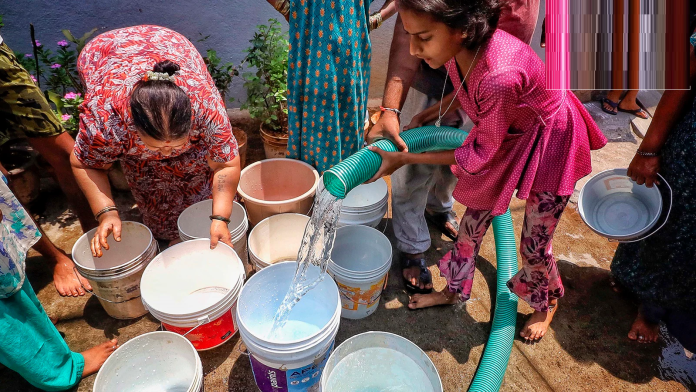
225 181
391 161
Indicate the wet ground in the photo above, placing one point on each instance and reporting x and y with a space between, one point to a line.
585 350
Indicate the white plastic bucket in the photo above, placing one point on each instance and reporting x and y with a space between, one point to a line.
360 262
276 239
380 361
115 277
194 222
193 291
294 360
155 361
614 206
365 205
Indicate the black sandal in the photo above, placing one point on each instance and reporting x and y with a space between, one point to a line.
611 103
440 221
425 276
636 112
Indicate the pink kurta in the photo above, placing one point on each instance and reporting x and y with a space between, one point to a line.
525 137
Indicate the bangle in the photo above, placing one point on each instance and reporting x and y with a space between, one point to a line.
220 218
104 211
647 154
283 6
375 20
397 111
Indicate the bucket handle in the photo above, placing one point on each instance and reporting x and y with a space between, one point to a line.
243 352
386 224
669 188
201 321
95 294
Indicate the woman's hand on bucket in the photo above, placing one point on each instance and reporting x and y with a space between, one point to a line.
643 170
108 223
219 232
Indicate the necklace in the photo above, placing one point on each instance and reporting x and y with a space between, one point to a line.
440 115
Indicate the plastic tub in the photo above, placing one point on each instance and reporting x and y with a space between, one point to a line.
294 360
115 277
194 222
193 291
276 186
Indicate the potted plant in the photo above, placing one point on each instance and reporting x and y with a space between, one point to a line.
267 86
222 74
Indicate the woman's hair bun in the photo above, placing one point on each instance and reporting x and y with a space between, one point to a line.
166 66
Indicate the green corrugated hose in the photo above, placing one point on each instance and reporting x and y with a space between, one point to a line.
361 166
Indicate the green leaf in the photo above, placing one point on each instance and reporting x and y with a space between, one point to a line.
56 99
86 36
69 35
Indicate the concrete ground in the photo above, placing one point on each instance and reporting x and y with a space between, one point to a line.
585 350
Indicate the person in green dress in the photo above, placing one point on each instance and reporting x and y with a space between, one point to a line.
328 76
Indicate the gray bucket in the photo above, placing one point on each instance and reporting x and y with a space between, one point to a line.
616 207
115 277
194 222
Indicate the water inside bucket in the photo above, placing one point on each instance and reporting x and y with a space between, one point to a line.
264 293
378 369
315 250
620 213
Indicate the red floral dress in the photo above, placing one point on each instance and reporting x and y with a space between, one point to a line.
163 187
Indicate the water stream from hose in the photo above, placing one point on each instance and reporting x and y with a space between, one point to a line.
316 247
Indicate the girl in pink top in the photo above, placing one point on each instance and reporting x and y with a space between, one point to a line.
525 138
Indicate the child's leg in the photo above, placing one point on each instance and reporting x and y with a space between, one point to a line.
458 265
538 282
33 347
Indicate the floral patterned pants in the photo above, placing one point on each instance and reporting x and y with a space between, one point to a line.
538 281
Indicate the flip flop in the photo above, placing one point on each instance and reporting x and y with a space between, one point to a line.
440 221
635 112
425 277
611 103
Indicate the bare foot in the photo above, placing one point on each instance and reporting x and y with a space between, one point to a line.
412 274
643 331
538 323
66 280
420 301
97 355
